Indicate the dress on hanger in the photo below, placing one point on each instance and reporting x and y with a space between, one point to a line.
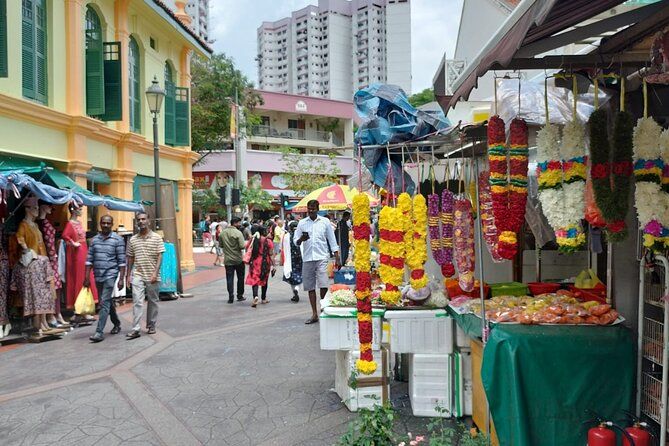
33 284
75 262
49 236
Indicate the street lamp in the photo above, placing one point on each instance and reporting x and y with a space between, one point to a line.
154 96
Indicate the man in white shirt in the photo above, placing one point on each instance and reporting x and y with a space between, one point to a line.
316 238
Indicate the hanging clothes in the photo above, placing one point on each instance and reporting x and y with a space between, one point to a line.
29 233
75 262
49 236
169 273
33 284
4 288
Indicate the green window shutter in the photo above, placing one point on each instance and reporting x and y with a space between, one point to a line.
134 104
28 49
3 38
112 77
170 118
182 117
41 66
95 83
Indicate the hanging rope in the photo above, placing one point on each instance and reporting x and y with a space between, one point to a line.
494 84
432 175
360 168
390 176
596 92
519 83
574 92
645 98
403 182
622 93
545 99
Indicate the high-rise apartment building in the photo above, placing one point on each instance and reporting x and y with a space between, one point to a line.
198 11
334 49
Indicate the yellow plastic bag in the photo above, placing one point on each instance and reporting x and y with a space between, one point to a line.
587 279
84 303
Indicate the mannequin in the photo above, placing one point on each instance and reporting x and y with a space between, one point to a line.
49 235
33 279
28 234
74 235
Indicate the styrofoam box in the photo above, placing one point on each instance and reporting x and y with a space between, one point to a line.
420 331
462 384
362 397
339 328
462 341
430 385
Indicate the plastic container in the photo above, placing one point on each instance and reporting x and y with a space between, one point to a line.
346 275
537 288
430 385
454 289
420 331
339 328
597 293
462 341
508 289
367 392
463 391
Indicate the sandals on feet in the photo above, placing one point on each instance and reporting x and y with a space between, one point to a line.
254 303
311 321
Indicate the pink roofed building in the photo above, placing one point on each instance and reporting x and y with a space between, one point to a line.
316 127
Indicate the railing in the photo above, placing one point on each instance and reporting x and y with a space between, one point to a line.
305 135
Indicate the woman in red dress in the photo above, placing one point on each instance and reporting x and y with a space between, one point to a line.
261 263
76 251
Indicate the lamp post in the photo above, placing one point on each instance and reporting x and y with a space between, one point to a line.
155 96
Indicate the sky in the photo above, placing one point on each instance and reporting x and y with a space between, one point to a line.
434 29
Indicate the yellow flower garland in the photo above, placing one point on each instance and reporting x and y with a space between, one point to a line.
390 219
405 206
418 256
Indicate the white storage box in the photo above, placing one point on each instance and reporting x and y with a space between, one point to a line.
462 384
462 341
339 328
430 385
369 389
420 331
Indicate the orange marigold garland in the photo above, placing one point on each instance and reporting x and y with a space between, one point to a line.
363 282
391 253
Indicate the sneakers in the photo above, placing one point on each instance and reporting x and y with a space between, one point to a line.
255 302
115 330
231 301
132 335
240 298
97 337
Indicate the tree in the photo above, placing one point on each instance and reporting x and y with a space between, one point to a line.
421 98
206 201
305 173
214 82
255 197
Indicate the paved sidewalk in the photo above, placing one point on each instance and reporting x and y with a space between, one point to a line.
214 374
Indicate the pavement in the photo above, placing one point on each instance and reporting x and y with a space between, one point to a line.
213 374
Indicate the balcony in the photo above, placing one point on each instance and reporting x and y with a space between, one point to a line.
310 138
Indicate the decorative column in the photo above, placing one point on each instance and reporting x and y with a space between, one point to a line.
180 12
185 223
184 67
123 36
121 187
74 49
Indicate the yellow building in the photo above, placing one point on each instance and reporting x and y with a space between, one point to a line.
72 79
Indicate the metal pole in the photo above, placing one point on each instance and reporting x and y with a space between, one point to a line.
238 158
156 169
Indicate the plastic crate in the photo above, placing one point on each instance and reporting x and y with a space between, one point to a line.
420 331
345 275
508 289
339 328
430 385
370 389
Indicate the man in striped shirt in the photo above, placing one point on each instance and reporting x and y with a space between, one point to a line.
145 252
106 256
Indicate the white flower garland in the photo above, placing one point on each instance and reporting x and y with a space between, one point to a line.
550 186
648 171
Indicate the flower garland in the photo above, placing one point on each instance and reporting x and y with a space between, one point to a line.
490 234
391 253
404 205
549 176
418 255
363 282
447 203
508 183
571 237
464 244
433 217
612 202
664 197
648 167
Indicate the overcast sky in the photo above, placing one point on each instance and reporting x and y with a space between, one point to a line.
434 26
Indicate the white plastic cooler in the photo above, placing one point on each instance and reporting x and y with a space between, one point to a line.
431 385
371 389
339 328
420 331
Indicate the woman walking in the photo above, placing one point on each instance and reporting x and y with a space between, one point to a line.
291 258
261 263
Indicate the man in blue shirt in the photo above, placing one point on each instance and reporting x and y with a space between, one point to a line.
106 256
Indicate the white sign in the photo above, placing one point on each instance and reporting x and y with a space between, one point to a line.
278 181
300 106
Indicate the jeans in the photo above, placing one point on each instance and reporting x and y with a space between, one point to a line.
343 254
263 290
230 278
107 307
141 289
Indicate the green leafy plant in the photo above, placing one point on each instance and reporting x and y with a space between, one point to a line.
306 173
422 97
372 427
207 201
255 197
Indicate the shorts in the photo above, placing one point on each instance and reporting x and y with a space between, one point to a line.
315 275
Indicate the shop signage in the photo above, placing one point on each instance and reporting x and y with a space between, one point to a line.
301 106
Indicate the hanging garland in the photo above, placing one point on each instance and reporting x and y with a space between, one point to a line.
648 166
404 205
363 282
611 180
433 217
570 236
664 196
464 243
490 234
549 175
418 256
447 204
498 168
391 253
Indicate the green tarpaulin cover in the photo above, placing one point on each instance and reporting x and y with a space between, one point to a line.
541 380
